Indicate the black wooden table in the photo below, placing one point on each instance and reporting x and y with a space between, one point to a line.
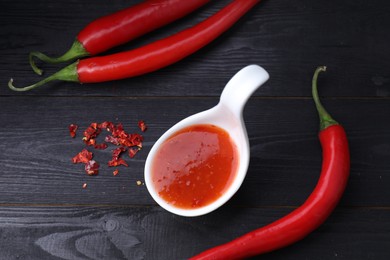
45 213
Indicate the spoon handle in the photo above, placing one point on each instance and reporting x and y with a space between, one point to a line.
241 86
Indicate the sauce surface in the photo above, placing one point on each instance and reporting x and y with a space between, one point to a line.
194 166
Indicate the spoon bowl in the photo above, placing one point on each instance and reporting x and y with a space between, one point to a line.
227 114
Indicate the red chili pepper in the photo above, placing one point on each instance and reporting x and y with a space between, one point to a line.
320 204
121 27
153 56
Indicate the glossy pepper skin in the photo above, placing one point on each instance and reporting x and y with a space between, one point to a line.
164 52
121 27
313 212
132 22
153 56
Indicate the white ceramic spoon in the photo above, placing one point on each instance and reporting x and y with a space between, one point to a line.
227 114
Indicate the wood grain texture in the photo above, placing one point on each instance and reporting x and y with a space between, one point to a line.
46 214
288 39
36 149
151 233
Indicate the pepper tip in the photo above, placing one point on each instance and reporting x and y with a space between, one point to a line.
322 68
10 83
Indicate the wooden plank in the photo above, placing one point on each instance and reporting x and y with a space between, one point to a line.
288 39
46 214
152 233
35 149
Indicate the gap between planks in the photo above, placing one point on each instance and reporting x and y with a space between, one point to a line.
153 206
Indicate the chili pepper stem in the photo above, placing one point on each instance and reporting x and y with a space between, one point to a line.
325 119
76 51
69 73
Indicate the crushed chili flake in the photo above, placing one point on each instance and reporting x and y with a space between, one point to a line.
94 125
101 146
117 152
92 167
118 130
116 160
119 137
109 126
90 142
111 139
91 133
83 157
84 185
72 130
133 152
142 125
131 140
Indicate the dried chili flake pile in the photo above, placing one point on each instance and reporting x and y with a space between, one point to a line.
126 142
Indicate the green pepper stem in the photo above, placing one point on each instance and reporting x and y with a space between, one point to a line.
69 73
325 119
76 51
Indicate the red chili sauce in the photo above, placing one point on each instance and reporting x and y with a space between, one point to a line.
195 166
